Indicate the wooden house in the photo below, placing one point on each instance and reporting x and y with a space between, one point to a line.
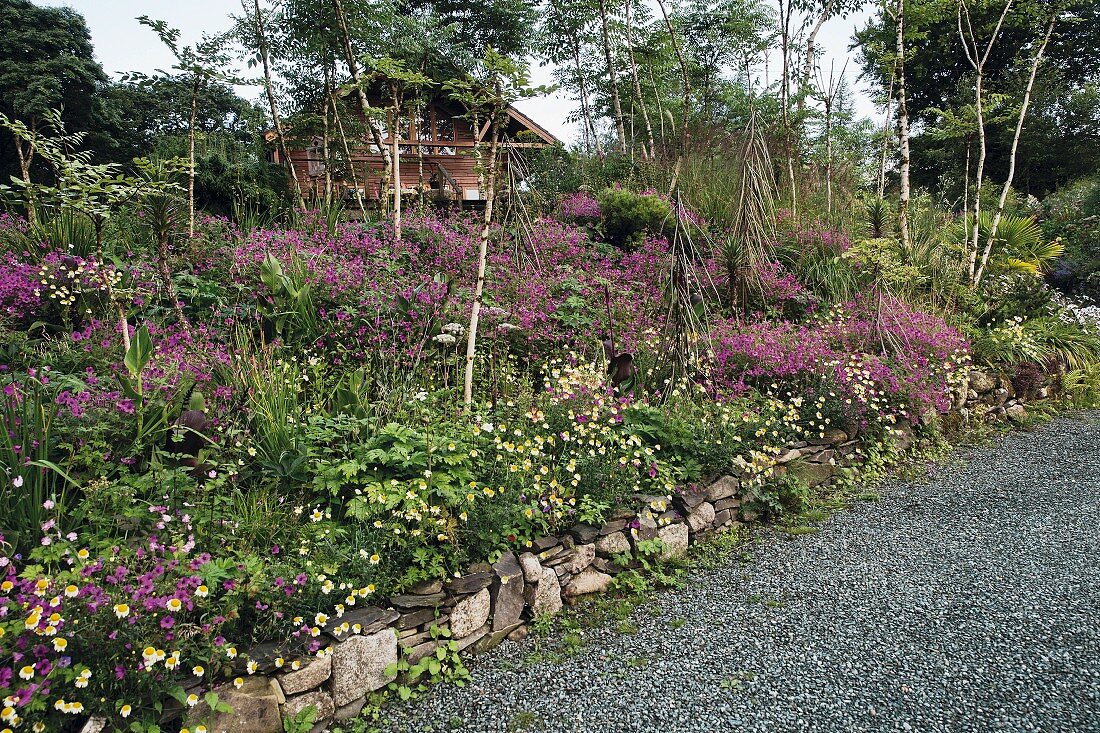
437 156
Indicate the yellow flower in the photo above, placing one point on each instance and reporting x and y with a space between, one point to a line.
71 591
173 604
198 670
122 610
192 701
231 652
27 672
125 711
82 553
202 591
279 662
320 619
6 586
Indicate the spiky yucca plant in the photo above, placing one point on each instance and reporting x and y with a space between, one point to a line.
878 217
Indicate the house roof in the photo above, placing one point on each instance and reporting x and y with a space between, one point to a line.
543 134
533 126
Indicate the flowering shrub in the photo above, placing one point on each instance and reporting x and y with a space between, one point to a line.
782 293
580 209
878 359
20 290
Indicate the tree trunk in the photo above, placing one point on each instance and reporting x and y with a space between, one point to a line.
612 77
269 90
978 64
885 142
1015 144
347 153
978 176
395 131
482 257
586 111
966 186
419 150
811 46
364 103
26 157
829 157
903 130
191 157
786 11
660 110
326 144
686 81
166 281
652 152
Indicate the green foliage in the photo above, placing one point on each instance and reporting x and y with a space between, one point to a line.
410 486
592 511
1072 216
1081 387
1019 246
302 722
47 62
775 496
628 217
287 306
31 481
444 665
1060 135
878 217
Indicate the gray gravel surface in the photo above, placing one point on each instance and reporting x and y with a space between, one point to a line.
967 602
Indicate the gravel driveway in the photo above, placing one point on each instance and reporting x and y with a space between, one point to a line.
969 602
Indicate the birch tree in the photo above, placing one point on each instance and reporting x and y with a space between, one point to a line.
206 62
612 76
371 115
486 95
1036 60
903 126
978 58
254 24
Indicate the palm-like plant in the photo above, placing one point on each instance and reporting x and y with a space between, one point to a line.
1020 246
878 216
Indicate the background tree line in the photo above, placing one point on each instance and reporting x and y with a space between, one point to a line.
650 81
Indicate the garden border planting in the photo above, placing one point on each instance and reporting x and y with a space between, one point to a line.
476 611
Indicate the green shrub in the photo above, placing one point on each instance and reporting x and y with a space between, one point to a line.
629 217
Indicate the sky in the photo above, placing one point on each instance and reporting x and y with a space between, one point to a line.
123 45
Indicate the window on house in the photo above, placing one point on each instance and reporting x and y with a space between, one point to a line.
315 157
444 132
